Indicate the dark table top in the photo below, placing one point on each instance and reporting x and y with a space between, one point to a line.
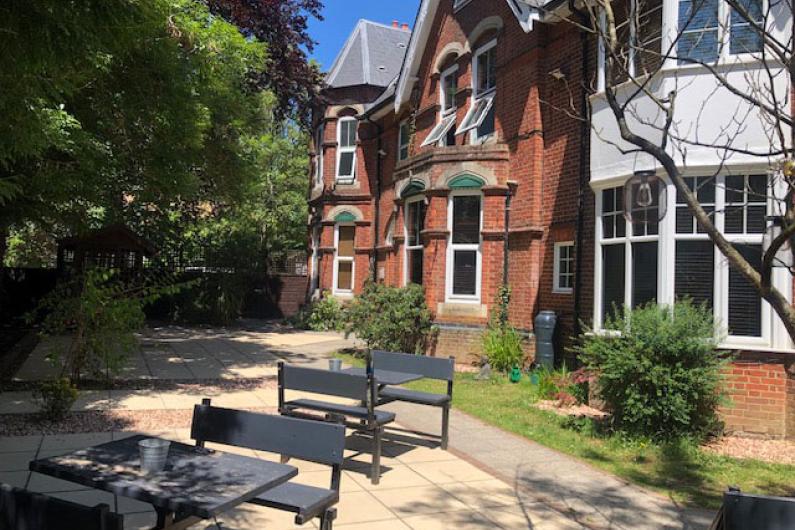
196 481
385 377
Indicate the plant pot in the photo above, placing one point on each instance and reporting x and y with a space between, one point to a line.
153 453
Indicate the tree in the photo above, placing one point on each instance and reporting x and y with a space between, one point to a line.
745 51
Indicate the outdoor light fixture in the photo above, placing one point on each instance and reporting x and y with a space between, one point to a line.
645 197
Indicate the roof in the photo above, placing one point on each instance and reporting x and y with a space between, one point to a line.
526 12
372 55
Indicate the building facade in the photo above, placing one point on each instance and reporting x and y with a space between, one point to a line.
455 156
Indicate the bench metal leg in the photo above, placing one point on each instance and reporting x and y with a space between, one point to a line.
327 519
375 470
445 425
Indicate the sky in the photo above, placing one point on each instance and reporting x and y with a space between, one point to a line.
341 16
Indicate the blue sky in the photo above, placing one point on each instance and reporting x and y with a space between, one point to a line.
341 17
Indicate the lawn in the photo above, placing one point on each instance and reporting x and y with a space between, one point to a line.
682 471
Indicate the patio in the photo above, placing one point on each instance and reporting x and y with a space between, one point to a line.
489 479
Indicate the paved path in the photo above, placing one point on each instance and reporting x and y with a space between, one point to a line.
587 496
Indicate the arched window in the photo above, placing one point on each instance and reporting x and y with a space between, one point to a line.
346 149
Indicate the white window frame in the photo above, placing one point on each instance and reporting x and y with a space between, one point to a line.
315 261
556 286
319 151
447 115
400 144
443 102
406 247
343 259
773 337
451 248
458 4
468 124
348 149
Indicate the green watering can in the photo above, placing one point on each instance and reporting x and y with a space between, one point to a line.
516 374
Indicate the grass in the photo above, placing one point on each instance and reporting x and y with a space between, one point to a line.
679 470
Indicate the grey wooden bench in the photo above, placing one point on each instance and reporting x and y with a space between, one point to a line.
24 510
362 417
741 511
323 443
430 368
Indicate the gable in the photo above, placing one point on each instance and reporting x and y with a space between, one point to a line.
525 11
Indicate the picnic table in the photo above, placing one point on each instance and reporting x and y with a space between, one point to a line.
197 483
385 377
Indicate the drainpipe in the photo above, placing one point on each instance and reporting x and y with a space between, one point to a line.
377 207
508 198
585 129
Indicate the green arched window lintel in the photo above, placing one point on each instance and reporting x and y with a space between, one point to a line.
413 188
345 217
466 182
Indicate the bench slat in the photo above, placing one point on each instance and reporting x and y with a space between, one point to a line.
413 396
381 416
430 367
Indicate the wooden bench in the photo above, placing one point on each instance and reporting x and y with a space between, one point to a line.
430 368
362 417
288 437
24 510
743 511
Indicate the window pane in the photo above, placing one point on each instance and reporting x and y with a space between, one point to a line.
347 133
416 222
612 279
487 71
742 37
734 220
487 126
466 219
449 91
345 276
735 188
649 57
695 271
644 273
684 220
415 266
346 165
346 237
698 27
745 304
465 272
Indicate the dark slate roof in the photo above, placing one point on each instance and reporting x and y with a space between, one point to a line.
372 55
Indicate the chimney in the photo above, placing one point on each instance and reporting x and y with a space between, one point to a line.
395 24
405 27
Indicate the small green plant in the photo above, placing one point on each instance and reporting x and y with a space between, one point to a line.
391 318
325 314
502 343
55 398
661 375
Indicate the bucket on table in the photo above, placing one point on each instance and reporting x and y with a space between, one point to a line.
335 365
154 453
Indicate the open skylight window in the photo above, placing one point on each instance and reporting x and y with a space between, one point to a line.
440 130
476 114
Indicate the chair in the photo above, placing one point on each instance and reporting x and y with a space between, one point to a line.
289 437
741 511
429 367
363 389
25 510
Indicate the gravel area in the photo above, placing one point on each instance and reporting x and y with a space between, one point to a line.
775 451
242 383
102 421
577 411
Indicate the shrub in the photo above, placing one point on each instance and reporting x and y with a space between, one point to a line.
213 298
568 387
391 318
502 344
55 398
661 375
503 347
325 314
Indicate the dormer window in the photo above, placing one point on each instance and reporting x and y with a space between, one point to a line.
346 149
443 133
480 117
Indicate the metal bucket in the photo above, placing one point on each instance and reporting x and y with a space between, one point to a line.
335 365
154 453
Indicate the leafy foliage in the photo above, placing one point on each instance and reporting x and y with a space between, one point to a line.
55 398
325 314
100 313
502 343
391 318
566 386
661 376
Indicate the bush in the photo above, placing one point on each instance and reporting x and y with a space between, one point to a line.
325 314
503 347
661 375
213 298
391 318
568 387
55 398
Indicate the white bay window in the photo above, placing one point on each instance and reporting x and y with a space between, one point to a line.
464 250
346 149
344 266
414 224
480 119
675 259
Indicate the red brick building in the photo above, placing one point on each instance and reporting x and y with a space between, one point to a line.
449 157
